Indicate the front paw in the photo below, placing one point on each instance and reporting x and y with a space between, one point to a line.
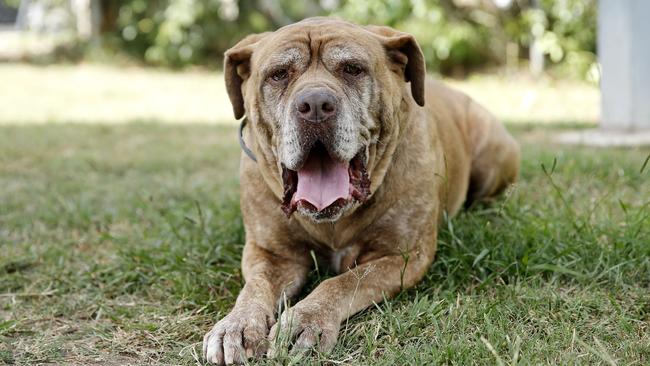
304 327
239 335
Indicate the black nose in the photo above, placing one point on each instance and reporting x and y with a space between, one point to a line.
315 105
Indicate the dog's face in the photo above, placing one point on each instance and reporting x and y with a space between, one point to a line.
320 94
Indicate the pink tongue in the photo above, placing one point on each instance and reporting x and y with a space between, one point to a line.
322 180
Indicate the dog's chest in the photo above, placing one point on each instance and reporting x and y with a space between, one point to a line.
343 259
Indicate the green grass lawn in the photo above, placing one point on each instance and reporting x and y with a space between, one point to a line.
120 244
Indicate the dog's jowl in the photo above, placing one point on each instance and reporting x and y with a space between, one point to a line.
358 156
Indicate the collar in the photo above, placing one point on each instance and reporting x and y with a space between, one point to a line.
242 143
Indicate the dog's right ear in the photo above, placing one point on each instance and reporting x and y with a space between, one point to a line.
237 69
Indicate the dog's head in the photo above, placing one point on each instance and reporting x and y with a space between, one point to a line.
321 95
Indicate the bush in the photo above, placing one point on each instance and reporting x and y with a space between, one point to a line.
456 36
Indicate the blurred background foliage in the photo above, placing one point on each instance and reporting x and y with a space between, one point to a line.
457 36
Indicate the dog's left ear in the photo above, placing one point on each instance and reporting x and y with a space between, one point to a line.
403 49
237 69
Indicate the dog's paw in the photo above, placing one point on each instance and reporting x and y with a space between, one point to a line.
238 336
304 327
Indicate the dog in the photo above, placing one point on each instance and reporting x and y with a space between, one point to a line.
358 157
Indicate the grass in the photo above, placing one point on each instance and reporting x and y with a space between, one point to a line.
92 93
121 245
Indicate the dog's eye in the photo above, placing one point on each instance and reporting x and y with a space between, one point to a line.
352 69
280 75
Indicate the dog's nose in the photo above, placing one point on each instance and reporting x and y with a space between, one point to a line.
316 105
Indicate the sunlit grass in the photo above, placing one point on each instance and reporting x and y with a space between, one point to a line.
91 93
111 94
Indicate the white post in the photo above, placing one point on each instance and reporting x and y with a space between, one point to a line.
624 54
87 14
535 52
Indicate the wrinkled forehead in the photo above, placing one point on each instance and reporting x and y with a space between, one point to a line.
328 41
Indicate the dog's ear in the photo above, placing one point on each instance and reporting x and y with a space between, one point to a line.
237 69
404 51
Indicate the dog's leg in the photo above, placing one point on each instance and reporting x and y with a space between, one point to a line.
243 332
495 155
315 321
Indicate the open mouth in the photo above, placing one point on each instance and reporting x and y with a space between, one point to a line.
324 186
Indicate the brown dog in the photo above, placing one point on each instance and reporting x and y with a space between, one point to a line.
358 157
